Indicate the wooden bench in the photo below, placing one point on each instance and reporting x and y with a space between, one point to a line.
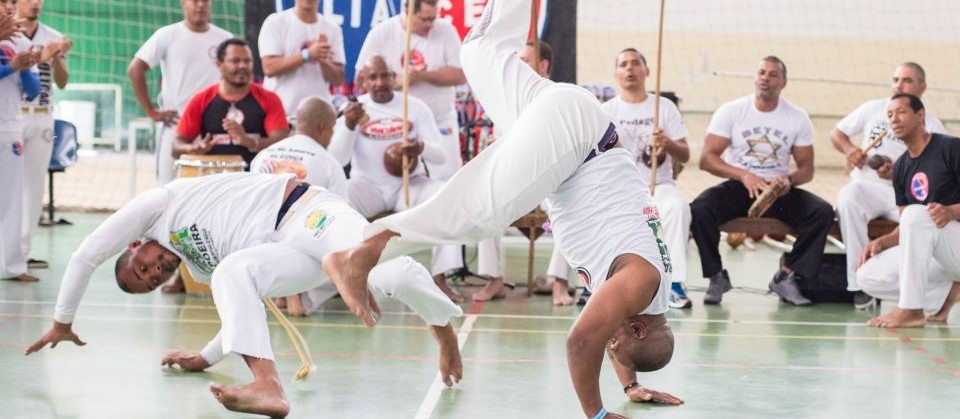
767 225
531 225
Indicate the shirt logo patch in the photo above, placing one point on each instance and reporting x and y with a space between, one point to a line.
17 148
417 61
384 129
196 245
279 167
318 222
920 186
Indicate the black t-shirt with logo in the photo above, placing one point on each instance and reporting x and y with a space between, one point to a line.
933 176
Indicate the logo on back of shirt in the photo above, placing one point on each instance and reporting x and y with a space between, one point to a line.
17 148
920 186
279 167
384 129
196 245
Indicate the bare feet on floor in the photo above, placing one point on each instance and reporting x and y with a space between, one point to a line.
561 295
952 297
280 302
451 365
259 397
542 286
24 277
451 293
295 306
175 287
348 270
900 317
492 291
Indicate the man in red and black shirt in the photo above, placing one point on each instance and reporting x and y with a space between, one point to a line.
233 116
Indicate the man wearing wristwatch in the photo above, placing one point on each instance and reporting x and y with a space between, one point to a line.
233 116
749 142
302 54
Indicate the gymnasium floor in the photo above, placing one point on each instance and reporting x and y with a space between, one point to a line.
752 357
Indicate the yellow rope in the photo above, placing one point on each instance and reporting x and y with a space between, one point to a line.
299 343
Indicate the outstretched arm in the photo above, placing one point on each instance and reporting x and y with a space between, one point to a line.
123 227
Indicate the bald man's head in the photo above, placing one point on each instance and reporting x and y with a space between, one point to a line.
643 343
378 79
316 119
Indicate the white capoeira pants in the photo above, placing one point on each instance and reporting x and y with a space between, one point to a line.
371 199
166 168
675 217
858 202
12 260
291 264
925 263
37 148
550 129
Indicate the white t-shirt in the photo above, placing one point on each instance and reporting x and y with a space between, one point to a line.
43 36
761 142
634 122
870 119
603 210
201 219
187 59
10 114
364 147
284 34
303 157
439 49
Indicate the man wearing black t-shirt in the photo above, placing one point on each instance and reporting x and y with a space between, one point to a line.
233 116
926 182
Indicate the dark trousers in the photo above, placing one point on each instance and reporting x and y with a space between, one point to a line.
803 211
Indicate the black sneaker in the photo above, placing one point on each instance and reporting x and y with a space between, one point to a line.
785 285
37 264
864 301
719 284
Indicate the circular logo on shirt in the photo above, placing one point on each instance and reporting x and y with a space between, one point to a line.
920 186
417 61
235 114
47 135
17 148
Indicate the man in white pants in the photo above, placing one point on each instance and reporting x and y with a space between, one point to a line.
302 54
632 111
925 248
558 144
287 227
434 70
38 117
15 78
186 52
372 190
305 155
869 194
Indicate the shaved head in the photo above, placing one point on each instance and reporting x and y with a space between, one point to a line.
378 79
643 343
315 119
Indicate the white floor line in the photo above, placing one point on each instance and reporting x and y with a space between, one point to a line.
433 395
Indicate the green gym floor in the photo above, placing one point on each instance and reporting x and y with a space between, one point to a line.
752 357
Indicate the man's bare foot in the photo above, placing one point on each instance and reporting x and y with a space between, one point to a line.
900 317
451 365
295 306
280 302
348 270
492 291
259 397
24 277
452 294
561 295
175 287
952 297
